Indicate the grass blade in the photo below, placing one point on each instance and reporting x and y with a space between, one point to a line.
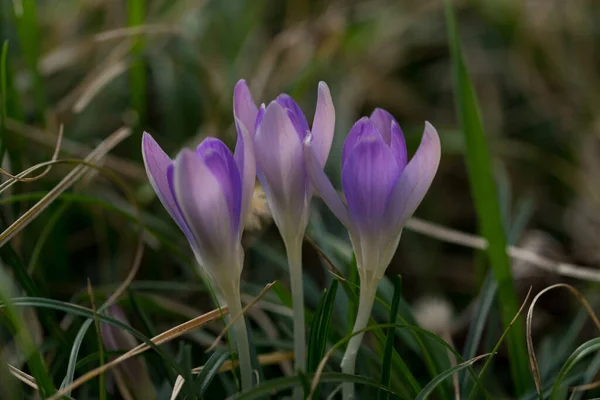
135 17
427 390
211 368
479 166
386 364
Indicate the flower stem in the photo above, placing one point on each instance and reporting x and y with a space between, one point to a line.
366 298
241 337
294 255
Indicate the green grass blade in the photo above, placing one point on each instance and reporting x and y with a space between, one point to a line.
558 387
319 332
427 390
27 347
386 364
479 166
211 368
136 10
28 28
273 386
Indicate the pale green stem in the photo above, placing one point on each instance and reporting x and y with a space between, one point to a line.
294 255
232 297
368 290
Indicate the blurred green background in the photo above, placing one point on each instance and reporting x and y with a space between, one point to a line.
169 68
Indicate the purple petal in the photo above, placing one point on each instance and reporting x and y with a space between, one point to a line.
157 163
204 206
362 129
391 133
246 164
244 107
280 161
323 186
259 117
218 159
415 180
368 177
398 145
323 124
295 113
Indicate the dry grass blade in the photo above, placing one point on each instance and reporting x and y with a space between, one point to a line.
157 340
263 359
587 386
179 382
235 317
23 377
120 33
532 358
33 134
44 172
100 82
476 242
107 145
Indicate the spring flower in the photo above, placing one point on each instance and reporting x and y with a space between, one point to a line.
382 191
279 130
207 192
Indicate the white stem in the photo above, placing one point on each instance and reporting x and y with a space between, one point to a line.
294 255
368 290
241 336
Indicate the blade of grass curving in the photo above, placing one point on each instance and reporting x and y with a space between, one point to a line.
27 27
135 17
430 387
530 348
101 378
319 331
386 364
25 343
590 372
273 386
589 347
479 167
211 369
495 350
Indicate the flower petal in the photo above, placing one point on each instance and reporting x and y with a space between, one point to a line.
244 107
392 134
415 180
368 177
204 206
362 129
295 113
398 145
157 162
218 159
323 125
246 164
323 186
280 162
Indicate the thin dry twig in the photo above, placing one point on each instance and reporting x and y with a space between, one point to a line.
530 349
157 340
44 172
235 317
476 242
146 29
95 156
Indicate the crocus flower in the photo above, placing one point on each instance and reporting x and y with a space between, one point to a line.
207 192
279 130
382 191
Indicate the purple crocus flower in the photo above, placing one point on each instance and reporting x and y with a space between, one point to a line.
382 190
208 192
279 130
